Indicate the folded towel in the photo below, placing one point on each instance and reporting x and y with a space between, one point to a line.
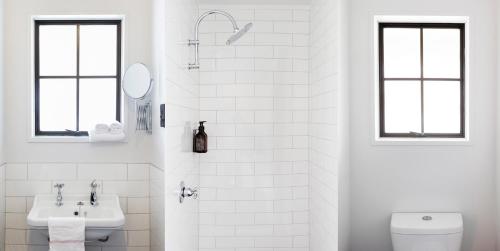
106 137
101 128
116 128
67 234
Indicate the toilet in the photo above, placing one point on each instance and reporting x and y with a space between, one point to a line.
426 231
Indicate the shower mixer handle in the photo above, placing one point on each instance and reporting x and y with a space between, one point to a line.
187 192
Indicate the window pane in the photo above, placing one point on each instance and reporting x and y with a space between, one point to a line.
57 104
442 107
97 102
98 50
442 53
57 49
401 53
402 106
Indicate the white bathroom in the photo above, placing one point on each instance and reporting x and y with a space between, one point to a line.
249 125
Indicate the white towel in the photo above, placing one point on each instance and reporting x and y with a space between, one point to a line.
106 137
67 234
101 128
116 128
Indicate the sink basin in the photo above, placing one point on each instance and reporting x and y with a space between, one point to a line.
100 221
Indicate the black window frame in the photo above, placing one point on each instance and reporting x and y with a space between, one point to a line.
382 79
77 77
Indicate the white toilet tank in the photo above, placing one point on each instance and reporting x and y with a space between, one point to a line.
426 231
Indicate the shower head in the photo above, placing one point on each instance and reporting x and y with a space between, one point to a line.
238 34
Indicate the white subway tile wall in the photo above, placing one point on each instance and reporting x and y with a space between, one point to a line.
323 126
254 95
156 207
177 88
129 180
2 206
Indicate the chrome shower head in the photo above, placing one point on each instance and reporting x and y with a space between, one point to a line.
238 34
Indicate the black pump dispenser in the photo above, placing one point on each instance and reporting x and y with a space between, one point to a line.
200 139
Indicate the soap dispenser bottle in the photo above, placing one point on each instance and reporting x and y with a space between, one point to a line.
200 139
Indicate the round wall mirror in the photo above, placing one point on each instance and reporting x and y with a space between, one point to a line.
137 81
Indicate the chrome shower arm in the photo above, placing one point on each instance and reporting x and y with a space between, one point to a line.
196 42
210 12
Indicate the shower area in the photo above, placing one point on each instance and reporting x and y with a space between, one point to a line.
269 80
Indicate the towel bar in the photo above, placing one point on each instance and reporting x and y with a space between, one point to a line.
100 240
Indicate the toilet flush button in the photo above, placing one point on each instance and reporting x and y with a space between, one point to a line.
427 218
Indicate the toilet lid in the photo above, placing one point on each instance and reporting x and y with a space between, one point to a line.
426 223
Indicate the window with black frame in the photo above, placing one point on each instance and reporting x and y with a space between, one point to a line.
77 75
422 80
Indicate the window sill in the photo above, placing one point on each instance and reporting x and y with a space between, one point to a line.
422 142
67 139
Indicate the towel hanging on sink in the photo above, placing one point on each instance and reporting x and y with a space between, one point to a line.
66 233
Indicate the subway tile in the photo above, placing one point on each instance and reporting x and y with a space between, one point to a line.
235 169
235 117
254 206
207 218
217 103
137 222
235 194
273 39
234 219
254 130
255 230
15 205
235 64
263 64
256 103
127 188
102 171
138 238
217 206
274 242
272 15
138 205
216 230
27 188
291 27
208 91
254 51
226 77
15 236
206 242
16 221
52 171
235 90
301 15
16 171
274 218
138 171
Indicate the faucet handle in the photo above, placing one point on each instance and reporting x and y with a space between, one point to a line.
59 185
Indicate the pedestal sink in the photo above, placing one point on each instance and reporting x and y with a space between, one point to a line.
100 221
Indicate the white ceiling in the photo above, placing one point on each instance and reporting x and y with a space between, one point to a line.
249 2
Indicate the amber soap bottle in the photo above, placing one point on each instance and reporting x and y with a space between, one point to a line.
200 139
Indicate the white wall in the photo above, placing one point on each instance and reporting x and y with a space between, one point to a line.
423 178
328 128
178 88
254 96
34 167
19 80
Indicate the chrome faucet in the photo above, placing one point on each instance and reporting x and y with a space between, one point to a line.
93 193
59 197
